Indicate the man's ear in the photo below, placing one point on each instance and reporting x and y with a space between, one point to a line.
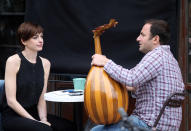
156 39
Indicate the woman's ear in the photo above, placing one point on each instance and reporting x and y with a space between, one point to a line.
23 42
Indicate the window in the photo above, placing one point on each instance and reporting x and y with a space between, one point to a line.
11 16
189 41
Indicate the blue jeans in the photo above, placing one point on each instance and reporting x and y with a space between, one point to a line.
135 121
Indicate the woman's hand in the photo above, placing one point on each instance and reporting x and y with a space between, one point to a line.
45 122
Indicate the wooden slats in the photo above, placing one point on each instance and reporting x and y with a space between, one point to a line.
103 97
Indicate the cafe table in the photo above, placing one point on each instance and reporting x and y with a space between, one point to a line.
71 96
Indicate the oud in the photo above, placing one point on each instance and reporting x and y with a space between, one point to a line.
103 96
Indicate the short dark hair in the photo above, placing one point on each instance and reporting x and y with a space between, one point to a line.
160 28
27 30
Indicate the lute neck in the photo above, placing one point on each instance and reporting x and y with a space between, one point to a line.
97 33
97 45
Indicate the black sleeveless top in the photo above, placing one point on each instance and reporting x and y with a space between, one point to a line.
29 82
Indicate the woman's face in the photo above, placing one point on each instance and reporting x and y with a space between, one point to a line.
35 43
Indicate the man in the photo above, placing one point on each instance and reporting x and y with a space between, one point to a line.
155 77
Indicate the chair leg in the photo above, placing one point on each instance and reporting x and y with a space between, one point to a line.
1 126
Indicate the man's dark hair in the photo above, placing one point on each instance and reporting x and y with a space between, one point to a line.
160 28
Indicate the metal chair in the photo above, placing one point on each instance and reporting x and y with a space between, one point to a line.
1 99
174 100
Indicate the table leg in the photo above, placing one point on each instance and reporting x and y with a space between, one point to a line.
60 109
78 115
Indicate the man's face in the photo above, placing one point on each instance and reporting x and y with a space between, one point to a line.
146 43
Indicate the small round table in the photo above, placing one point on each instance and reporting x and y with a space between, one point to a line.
63 96
66 96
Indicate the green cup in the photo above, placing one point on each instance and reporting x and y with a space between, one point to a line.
79 83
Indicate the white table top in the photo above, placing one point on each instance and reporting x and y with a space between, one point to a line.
62 96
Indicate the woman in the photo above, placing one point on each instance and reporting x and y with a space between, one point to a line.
26 77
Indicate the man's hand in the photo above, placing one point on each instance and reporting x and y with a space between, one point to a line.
130 88
99 60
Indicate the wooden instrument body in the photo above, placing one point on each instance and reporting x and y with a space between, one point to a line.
103 96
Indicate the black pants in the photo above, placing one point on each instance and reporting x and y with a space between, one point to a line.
13 122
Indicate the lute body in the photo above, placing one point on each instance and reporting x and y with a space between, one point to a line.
103 96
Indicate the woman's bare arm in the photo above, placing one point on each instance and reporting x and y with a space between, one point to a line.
42 111
12 67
